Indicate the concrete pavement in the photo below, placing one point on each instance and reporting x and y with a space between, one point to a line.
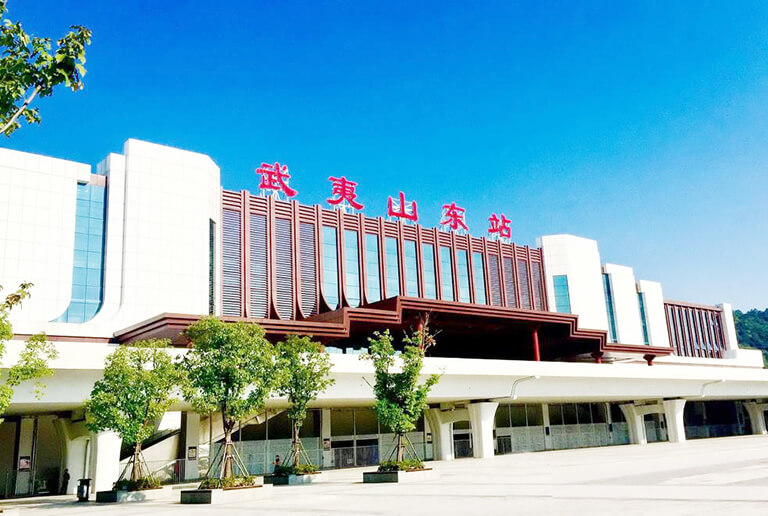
710 476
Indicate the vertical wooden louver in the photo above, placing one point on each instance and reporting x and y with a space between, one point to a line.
538 294
308 267
283 268
493 280
231 248
258 266
509 283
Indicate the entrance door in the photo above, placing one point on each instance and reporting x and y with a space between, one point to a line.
462 443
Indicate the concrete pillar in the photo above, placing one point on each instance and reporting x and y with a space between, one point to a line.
547 427
190 426
635 423
673 414
756 413
442 435
481 417
325 433
74 442
25 436
105 460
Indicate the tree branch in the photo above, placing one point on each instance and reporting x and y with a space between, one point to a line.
21 110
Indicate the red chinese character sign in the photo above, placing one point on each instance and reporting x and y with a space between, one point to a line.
500 228
343 194
453 219
402 209
274 180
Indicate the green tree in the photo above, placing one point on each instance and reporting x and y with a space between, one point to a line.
231 369
752 329
400 400
304 373
33 359
29 68
133 395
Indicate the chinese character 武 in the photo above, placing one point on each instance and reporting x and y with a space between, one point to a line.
275 176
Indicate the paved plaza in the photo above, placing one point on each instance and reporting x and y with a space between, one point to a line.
712 476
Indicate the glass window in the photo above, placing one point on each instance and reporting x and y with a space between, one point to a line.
502 416
562 297
330 267
534 414
556 414
446 273
88 260
525 292
342 422
478 276
366 422
598 412
609 308
462 271
352 267
372 278
517 415
393 267
411 269
643 317
428 265
569 414
584 413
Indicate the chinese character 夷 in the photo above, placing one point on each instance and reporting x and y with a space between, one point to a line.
343 192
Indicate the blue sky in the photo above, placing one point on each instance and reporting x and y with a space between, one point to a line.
640 124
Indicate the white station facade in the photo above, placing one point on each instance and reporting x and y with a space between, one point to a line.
539 348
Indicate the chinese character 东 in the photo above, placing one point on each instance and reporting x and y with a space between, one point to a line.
453 217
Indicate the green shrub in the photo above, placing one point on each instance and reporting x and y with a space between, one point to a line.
227 482
130 485
288 469
404 465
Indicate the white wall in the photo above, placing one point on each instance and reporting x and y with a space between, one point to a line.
579 259
626 307
654 313
159 203
37 232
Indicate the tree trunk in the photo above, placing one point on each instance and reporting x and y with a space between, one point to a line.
296 444
400 448
136 470
19 111
227 465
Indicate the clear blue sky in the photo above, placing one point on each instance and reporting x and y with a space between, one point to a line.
643 125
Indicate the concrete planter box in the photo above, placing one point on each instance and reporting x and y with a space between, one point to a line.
400 477
133 496
231 495
293 480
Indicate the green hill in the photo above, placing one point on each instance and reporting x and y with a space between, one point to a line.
752 329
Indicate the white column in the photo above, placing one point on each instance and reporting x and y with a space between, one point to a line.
635 423
325 433
756 413
74 449
673 414
26 435
729 327
191 421
442 435
105 460
547 427
481 417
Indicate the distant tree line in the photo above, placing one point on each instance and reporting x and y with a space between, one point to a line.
752 329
